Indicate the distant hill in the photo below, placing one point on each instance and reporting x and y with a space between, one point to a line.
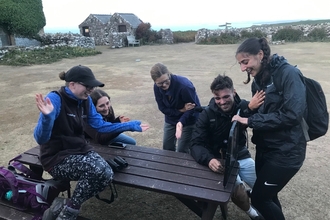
291 22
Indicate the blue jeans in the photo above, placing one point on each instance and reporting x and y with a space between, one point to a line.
169 139
123 138
247 172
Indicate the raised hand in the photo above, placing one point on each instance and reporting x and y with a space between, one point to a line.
257 100
45 106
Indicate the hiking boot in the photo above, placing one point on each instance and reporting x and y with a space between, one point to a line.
54 210
68 213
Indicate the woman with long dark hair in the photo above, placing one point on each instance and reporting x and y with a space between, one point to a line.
277 124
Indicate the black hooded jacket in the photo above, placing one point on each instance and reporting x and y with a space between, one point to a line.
277 130
210 137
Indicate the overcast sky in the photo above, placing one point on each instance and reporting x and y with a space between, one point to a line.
66 14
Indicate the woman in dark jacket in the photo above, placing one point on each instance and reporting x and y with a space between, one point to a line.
101 101
277 130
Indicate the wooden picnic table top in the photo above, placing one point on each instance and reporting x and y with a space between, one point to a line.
162 171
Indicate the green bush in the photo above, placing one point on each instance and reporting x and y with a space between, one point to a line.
288 34
256 33
145 34
318 34
184 36
224 38
44 56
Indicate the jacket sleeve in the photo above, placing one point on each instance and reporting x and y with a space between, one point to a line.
290 110
98 137
96 121
188 94
44 127
198 148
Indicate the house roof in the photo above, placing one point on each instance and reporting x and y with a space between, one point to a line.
131 18
103 18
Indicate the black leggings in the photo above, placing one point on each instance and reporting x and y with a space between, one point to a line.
91 171
270 180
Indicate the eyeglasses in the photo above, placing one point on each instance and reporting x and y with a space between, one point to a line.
166 82
89 88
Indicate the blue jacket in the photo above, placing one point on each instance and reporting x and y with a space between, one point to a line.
43 130
180 92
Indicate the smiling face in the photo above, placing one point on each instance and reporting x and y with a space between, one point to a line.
224 99
80 91
103 106
250 63
164 81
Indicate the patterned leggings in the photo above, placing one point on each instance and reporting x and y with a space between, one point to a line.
91 171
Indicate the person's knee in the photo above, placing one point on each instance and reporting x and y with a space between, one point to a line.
103 172
240 197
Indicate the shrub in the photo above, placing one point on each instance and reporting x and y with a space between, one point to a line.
146 35
255 33
184 36
317 34
288 34
43 56
224 38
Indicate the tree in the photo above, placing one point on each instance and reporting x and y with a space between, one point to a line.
22 17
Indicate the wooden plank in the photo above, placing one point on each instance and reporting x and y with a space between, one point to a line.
8 212
29 159
175 189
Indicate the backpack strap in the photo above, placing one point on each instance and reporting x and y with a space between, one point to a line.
13 163
276 81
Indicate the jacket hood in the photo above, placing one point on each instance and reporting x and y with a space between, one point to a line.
276 61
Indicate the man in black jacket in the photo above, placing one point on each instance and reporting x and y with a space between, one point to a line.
211 132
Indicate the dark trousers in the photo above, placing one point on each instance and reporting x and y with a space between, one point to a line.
270 181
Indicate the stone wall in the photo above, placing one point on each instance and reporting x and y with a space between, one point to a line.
203 34
167 36
26 42
50 40
67 39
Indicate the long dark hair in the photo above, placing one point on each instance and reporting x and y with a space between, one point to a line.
96 95
252 46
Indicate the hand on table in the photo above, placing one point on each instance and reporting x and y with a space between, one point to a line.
216 166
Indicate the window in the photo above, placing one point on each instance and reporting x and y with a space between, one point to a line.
122 28
85 31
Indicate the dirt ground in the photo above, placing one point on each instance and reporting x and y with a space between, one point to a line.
125 73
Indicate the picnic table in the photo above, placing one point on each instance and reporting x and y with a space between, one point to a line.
168 172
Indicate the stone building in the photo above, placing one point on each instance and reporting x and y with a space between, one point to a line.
121 25
94 26
110 29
